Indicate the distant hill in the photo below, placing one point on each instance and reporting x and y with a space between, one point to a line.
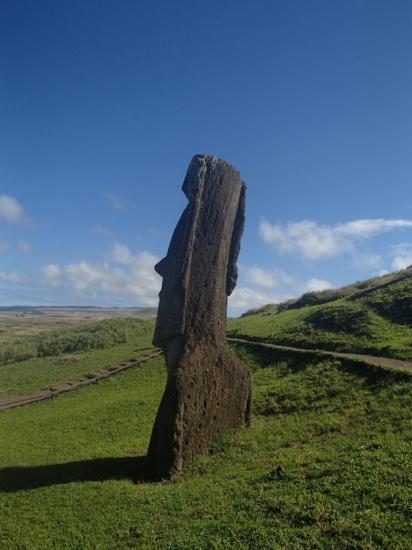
78 312
372 316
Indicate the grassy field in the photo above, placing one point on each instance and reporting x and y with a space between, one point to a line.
17 322
325 464
374 317
17 327
23 377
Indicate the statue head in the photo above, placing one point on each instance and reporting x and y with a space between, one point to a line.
199 270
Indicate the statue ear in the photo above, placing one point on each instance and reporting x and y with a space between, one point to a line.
231 273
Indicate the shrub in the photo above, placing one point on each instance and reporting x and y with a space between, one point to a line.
102 334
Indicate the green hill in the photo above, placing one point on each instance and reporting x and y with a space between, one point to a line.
323 465
53 357
373 317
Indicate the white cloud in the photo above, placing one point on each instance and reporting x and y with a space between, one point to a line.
134 281
9 277
260 277
402 257
122 255
287 287
83 274
307 238
51 273
314 241
24 246
137 280
244 298
401 262
315 285
367 260
265 278
10 209
370 228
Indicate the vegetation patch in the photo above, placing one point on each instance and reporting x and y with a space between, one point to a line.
352 319
324 464
69 358
373 317
392 300
24 377
99 335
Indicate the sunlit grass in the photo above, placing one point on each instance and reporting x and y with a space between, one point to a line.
323 465
372 321
25 377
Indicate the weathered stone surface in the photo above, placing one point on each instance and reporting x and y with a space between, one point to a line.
208 389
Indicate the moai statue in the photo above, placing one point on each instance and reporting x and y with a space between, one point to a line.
208 390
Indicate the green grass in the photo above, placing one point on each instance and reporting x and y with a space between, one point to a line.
98 335
25 377
18 327
323 465
374 320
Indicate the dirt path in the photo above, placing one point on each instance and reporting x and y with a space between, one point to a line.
73 385
58 389
385 362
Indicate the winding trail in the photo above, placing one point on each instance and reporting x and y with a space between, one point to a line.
384 362
58 389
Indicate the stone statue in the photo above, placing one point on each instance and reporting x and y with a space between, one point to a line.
208 389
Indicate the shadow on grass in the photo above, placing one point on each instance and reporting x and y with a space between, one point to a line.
98 469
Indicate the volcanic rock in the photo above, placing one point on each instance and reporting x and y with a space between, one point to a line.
208 390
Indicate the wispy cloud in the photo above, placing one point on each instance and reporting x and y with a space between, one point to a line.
118 204
24 246
315 285
402 256
270 287
135 279
10 277
368 260
260 277
244 298
10 209
121 254
266 278
103 231
51 274
130 278
314 241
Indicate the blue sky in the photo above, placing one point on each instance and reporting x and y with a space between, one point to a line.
103 104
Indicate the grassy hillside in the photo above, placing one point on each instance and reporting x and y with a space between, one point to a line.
323 465
16 327
373 317
60 356
19 321
98 335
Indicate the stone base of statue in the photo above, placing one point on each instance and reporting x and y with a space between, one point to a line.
208 395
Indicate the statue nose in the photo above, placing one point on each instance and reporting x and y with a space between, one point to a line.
160 267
